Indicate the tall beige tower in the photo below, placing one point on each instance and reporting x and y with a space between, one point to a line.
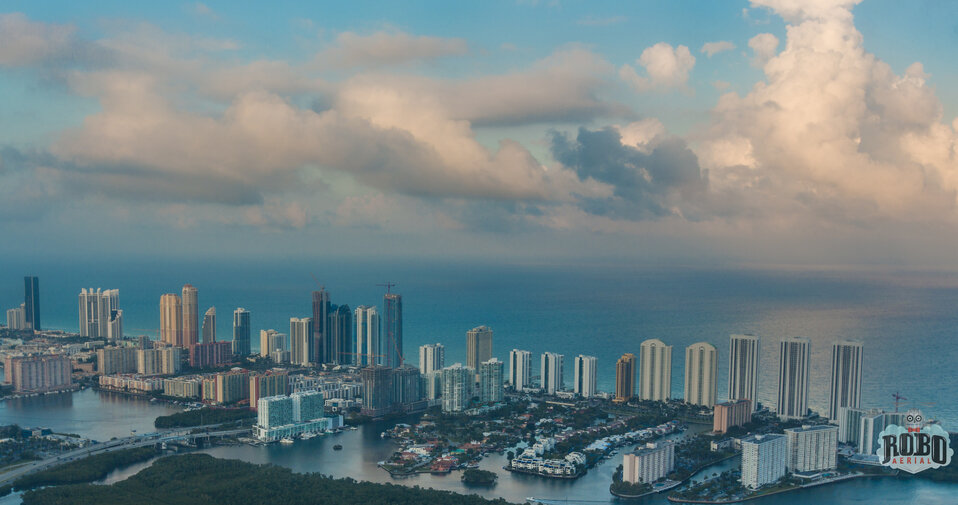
478 346
191 317
700 374
655 381
171 319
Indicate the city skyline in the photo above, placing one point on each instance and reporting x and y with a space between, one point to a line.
495 158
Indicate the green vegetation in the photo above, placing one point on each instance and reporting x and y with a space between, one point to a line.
5 490
201 417
200 479
85 470
474 476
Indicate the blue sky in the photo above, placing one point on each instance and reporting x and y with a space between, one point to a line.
820 134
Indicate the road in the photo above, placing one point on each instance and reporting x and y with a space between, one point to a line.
109 446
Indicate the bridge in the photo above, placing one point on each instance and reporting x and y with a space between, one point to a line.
132 442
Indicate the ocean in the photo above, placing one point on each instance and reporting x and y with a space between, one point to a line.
908 320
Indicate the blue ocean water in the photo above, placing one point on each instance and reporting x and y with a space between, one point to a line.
908 320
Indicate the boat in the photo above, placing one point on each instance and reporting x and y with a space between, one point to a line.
286 441
307 436
337 447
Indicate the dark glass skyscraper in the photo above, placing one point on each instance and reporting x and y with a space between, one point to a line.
320 345
241 342
340 335
392 305
31 302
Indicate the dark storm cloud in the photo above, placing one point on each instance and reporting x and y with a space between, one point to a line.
664 181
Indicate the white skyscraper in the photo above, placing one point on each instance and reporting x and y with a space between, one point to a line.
16 318
300 331
551 372
209 325
701 360
585 376
369 348
97 311
793 378
655 379
491 375
763 459
432 357
520 369
743 360
846 386
457 383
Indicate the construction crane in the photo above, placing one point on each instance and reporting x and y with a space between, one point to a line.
898 398
388 285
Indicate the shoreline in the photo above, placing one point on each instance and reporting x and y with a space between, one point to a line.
797 488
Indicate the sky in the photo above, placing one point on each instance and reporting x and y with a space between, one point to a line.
769 132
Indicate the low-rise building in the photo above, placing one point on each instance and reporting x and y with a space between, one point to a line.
730 414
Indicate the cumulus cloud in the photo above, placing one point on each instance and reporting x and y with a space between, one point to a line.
388 48
713 48
665 67
23 42
763 48
833 131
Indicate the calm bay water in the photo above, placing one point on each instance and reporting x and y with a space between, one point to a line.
907 320
363 448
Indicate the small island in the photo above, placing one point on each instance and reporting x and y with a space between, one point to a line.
476 477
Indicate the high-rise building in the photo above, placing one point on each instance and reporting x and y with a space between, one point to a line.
171 319
266 384
743 360
551 372
232 386
584 375
368 347
520 369
271 340
97 310
811 448
16 318
432 357
655 379
478 346
377 390
407 388
39 374
159 361
793 378
850 422
339 329
491 376
31 303
763 459
392 304
871 424
846 385
191 316
209 326
320 347
241 332
213 354
116 360
701 367
300 333
457 384
625 378
730 414
648 464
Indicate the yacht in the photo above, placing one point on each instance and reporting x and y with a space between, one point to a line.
286 441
